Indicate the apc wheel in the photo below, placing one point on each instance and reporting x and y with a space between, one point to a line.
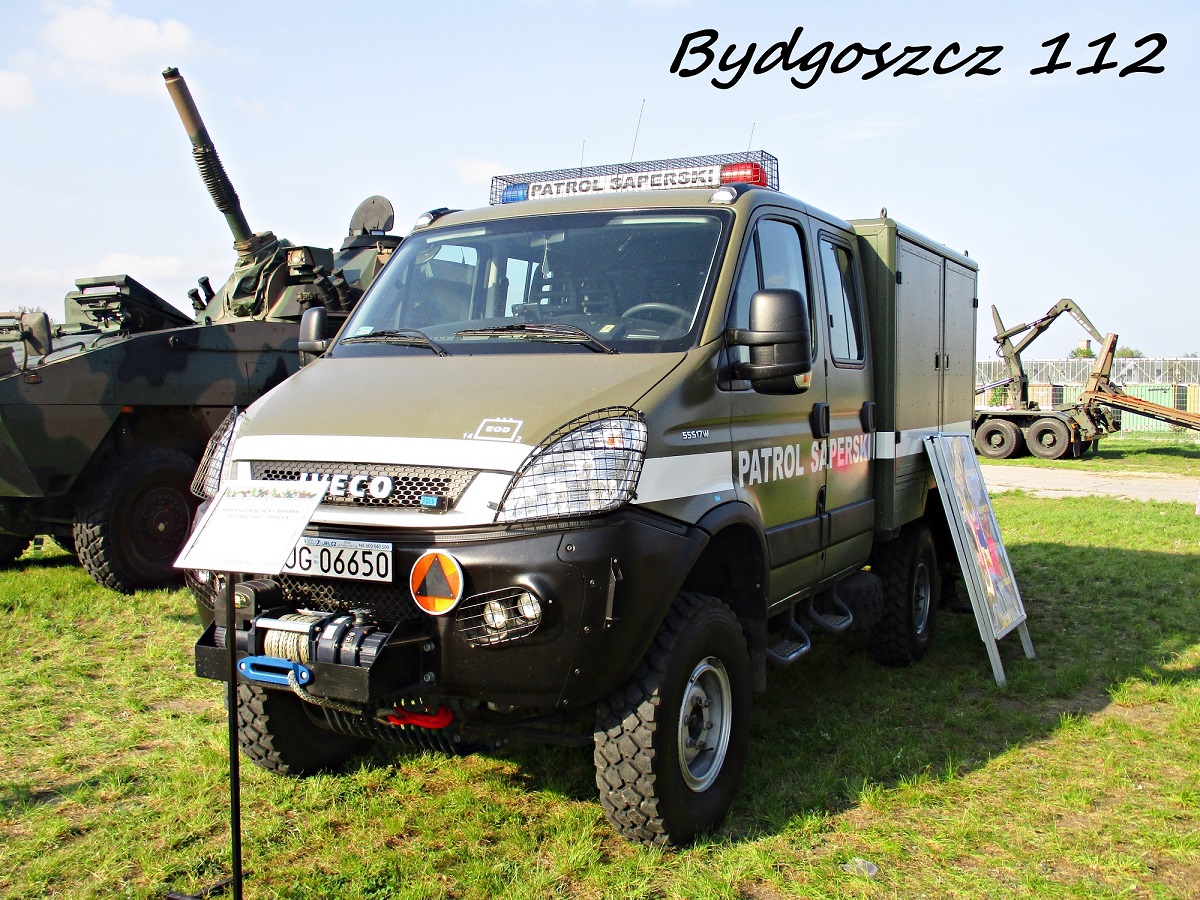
999 439
277 734
135 521
911 587
671 745
1048 439
11 548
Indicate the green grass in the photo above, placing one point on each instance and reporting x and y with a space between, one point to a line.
1167 453
1079 779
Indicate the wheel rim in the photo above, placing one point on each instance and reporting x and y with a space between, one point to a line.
922 599
705 721
1048 438
161 520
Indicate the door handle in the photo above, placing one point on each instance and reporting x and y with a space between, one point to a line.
819 420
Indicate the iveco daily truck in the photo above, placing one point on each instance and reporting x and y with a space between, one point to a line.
595 456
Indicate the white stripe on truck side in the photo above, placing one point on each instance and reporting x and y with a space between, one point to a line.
911 441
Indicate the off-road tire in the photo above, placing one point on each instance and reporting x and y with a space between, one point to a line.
11 548
999 439
135 520
277 734
911 590
639 728
1048 439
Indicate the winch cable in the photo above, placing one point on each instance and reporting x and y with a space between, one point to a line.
321 701
294 646
291 645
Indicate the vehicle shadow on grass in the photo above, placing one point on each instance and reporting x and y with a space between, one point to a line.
837 723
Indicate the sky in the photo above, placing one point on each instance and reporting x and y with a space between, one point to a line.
1059 185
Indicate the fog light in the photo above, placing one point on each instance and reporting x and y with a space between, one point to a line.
529 608
495 616
500 617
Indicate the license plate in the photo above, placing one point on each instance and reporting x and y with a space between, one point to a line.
331 558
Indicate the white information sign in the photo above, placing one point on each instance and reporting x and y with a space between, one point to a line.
252 526
991 584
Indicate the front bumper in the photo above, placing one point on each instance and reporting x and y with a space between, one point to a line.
604 587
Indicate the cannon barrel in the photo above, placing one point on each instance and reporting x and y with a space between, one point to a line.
207 161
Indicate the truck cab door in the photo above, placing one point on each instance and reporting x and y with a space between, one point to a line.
772 435
846 454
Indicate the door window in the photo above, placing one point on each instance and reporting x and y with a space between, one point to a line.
774 259
842 302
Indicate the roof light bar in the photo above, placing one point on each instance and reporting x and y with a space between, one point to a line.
752 167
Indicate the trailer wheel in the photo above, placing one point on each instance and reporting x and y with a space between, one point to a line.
670 746
1048 439
911 588
999 439
136 519
11 548
277 734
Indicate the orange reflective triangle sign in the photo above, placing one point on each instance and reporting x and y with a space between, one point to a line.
436 582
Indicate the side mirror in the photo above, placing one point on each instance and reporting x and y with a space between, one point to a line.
780 343
35 334
312 334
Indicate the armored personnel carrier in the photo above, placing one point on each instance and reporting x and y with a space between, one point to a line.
103 418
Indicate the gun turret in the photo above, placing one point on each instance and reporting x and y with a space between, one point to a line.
209 163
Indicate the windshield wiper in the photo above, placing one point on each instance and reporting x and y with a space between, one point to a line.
404 337
552 331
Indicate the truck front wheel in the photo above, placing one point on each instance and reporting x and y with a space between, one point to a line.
908 567
277 734
671 745
999 439
136 518
1048 439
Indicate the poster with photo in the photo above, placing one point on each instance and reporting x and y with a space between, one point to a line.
986 569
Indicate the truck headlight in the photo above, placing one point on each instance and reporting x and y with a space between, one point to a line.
590 465
217 462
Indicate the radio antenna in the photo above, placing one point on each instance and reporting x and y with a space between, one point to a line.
751 141
581 152
633 150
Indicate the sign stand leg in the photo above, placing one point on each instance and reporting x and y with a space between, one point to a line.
1026 641
235 787
234 882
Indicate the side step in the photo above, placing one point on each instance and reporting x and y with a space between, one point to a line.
835 617
790 646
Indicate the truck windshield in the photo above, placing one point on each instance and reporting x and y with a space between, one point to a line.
604 282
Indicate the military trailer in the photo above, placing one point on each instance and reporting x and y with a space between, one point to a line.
103 418
595 457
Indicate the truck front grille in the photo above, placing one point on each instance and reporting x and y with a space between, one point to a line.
386 603
409 483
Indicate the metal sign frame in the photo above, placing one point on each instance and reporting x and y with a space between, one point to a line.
981 553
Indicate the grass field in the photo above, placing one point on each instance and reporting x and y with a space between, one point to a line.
1081 778
1167 453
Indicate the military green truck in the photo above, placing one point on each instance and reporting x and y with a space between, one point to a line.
595 456
103 418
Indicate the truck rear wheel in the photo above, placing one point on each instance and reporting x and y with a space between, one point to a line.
1048 439
671 745
911 588
136 519
277 734
999 439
